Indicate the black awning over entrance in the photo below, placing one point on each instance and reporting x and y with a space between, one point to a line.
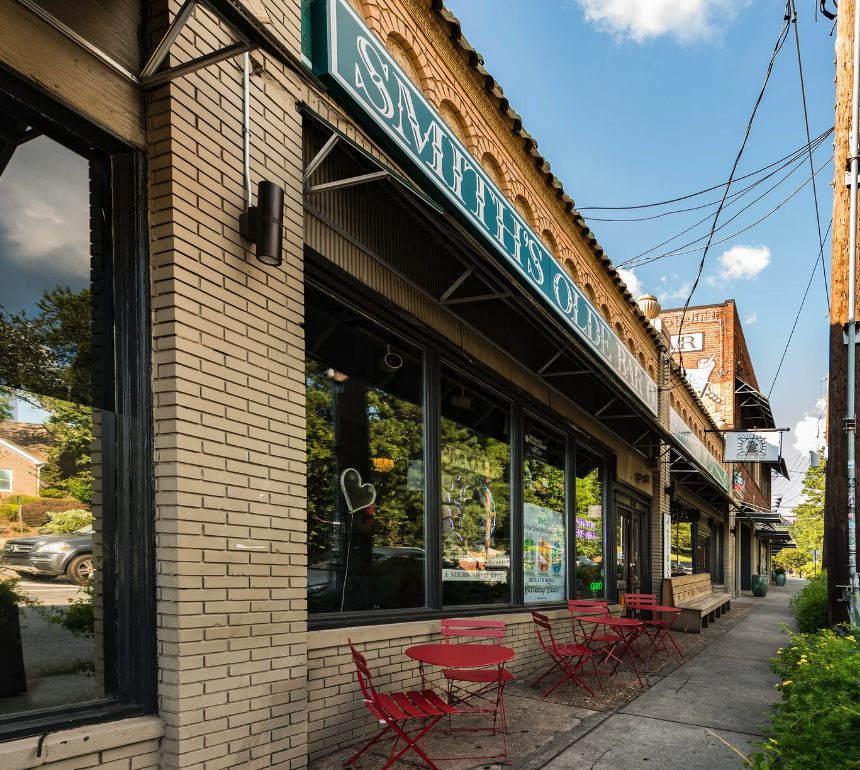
689 475
753 406
370 205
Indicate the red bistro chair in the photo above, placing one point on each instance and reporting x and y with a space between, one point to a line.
581 607
396 710
487 680
656 621
567 658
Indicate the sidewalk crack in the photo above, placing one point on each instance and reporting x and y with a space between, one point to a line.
686 681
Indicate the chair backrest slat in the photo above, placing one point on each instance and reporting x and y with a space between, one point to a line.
477 629
542 623
365 677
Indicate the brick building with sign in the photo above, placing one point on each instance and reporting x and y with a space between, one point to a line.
412 388
712 349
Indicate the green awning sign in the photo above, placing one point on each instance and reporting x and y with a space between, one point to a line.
696 449
355 64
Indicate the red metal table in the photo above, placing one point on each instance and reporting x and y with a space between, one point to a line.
626 628
468 656
662 624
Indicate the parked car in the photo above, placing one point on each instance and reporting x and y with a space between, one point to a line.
45 557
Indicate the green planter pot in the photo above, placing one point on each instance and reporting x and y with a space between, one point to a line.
780 578
759 585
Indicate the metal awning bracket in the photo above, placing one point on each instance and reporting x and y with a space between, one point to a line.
350 182
479 298
151 77
320 157
456 285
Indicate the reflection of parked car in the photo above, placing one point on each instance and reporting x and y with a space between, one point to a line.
682 568
499 561
582 560
44 557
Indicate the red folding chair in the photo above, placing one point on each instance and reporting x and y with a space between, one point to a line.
580 608
486 679
567 658
636 606
396 710
657 621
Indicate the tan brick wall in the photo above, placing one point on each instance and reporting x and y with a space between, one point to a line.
229 417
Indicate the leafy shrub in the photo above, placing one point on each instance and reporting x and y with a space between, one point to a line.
8 512
54 494
79 617
817 723
810 604
779 570
35 514
68 521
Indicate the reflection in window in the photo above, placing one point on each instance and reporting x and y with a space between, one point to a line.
590 567
703 545
365 449
476 556
682 540
544 551
53 376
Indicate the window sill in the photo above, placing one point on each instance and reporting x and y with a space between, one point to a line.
20 754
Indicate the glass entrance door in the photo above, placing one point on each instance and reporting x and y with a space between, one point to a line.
629 548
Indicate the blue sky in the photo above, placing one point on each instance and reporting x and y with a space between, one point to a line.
636 101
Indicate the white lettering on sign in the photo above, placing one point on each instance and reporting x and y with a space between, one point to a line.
688 343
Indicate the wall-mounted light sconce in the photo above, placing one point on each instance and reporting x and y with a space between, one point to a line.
263 224
644 477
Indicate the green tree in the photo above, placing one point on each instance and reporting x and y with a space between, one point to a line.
808 528
791 558
47 360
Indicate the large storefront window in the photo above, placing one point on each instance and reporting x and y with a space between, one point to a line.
475 460
365 443
590 565
545 562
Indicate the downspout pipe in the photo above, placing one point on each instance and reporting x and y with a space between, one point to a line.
851 419
246 128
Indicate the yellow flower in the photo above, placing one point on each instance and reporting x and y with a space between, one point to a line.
787 682
794 648
775 743
851 638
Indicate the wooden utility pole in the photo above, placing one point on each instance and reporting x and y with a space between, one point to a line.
835 557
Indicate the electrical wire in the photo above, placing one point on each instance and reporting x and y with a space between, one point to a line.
780 42
809 143
678 251
782 163
800 309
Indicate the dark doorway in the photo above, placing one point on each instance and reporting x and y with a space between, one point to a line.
630 551
746 566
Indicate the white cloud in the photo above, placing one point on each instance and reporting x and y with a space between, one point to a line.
634 285
750 319
44 209
809 432
682 292
744 262
641 20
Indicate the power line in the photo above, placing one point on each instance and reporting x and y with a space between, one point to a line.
816 143
701 192
740 194
809 143
802 301
677 253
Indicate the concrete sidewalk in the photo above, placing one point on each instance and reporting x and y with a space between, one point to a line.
727 687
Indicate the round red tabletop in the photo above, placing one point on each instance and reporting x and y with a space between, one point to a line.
460 655
606 621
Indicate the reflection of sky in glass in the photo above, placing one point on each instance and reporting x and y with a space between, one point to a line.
44 223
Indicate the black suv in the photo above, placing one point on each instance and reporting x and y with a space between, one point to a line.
44 557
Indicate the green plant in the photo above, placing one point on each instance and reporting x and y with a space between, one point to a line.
779 570
8 512
35 514
9 594
810 604
79 617
818 720
68 521
84 667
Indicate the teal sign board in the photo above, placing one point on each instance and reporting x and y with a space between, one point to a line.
696 449
351 60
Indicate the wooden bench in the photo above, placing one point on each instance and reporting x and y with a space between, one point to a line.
695 595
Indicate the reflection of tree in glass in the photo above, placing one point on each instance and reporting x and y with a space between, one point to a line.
476 498
320 456
396 434
682 543
47 360
589 492
543 485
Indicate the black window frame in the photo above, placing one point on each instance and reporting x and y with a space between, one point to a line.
128 476
326 277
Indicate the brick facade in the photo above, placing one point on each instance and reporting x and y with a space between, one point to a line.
25 473
241 682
